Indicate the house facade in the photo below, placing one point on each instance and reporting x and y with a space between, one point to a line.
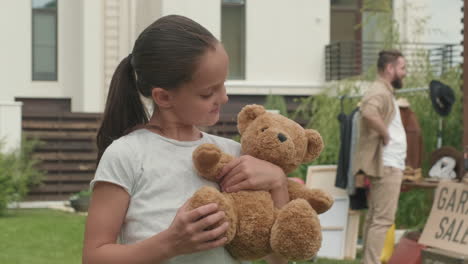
70 48
65 51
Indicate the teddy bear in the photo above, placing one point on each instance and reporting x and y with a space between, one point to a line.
256 227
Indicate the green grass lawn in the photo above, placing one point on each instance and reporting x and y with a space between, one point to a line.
41 236
319 261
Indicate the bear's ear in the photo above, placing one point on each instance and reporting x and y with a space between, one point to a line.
314 145
248 114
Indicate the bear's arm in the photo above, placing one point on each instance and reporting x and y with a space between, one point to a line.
209 160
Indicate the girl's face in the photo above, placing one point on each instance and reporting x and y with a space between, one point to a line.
199 101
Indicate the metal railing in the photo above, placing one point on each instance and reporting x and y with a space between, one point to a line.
351 58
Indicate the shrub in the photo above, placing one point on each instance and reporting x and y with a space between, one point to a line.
276 102
80 200
18 172
81 194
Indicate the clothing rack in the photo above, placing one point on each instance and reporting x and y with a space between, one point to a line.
402 91
411 90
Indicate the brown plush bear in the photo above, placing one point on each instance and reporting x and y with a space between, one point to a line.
256 227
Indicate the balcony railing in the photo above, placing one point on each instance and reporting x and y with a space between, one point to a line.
351 58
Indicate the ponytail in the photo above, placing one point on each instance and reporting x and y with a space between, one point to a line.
124 108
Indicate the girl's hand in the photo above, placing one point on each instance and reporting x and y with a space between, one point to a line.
249 173
191 231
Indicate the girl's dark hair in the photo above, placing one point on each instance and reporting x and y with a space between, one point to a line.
165 55
386 57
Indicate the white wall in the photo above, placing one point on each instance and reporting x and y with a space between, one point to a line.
206 12
10 126
70 52
15 24
429 21
79 54
93 58
145 13
15 51
286 40
444 24
284 45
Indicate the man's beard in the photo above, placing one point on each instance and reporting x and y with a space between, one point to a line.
397 83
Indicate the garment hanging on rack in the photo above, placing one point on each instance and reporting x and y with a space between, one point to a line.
344 159
357 194
354 139
414 141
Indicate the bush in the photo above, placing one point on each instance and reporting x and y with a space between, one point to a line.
18 173
80 200
81 194
276 102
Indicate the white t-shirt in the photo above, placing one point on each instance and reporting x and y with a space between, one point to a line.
394 153
158 174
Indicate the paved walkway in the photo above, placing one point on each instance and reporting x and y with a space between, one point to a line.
55 205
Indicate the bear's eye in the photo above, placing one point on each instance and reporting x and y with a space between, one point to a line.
263 129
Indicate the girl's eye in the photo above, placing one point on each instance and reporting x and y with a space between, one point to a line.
206 96
263 129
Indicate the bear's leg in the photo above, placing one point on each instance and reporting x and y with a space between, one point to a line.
320 200
296 233
207 195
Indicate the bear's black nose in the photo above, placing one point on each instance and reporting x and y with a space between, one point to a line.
282 137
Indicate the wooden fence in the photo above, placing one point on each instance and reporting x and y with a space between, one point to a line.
67 153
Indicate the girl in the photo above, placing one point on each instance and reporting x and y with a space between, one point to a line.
138 211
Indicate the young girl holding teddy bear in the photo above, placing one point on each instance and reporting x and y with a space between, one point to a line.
138 211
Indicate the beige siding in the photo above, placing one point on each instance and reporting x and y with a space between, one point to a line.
111 39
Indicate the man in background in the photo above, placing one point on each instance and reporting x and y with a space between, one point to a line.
381 151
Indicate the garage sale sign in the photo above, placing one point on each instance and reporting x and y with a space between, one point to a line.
447 226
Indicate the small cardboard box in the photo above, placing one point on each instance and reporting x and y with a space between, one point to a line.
439 256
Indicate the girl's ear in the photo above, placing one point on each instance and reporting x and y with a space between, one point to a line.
161 97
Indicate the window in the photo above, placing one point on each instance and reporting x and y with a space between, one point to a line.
44 40
233 36
344 3
345 15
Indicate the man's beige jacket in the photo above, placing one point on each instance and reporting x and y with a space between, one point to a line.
378 100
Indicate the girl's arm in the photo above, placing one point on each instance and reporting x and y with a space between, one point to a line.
186 234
